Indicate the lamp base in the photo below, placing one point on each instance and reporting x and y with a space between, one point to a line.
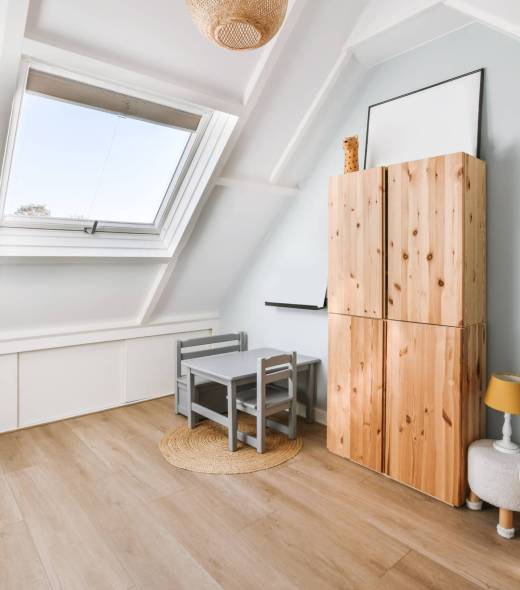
506 446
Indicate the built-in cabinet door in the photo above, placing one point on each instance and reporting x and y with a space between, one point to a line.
355 389
425 241
423 408
356 251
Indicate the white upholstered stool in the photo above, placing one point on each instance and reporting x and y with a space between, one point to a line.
494 477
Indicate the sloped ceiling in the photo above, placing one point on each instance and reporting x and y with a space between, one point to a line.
284 95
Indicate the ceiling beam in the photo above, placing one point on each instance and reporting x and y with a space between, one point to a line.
131 79
345 58
255 186
11 42
156 291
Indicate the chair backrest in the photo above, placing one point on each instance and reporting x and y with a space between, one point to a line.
276 368
237 342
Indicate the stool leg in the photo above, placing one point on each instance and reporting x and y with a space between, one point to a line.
505 524
473 502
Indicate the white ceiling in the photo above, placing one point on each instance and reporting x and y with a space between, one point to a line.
155 37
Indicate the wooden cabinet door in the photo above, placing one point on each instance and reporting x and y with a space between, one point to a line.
434 389
423 407
356 250
355 389
425 241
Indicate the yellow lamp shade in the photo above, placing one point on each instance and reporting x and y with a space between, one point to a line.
503 393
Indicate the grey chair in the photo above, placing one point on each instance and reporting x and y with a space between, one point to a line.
210 394
269 397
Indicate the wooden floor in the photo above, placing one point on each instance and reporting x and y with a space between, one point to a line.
90 503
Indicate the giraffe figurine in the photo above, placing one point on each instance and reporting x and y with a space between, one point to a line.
351 148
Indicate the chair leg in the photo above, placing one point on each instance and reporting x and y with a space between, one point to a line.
191 399
260 432
293 421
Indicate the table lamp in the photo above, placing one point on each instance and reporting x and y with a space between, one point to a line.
503 394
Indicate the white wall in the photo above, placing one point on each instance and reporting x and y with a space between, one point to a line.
460 52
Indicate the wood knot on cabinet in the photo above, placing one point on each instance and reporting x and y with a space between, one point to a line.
441 283
415 232
397 286
429 256
446 418
405 255
408 419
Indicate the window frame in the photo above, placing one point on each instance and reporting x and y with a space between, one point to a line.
67 227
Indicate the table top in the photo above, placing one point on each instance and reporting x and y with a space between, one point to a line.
232 366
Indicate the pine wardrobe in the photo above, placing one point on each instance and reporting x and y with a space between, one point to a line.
407 336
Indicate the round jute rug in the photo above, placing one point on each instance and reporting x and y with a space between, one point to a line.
204 449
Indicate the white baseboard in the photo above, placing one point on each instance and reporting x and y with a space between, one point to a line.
320 415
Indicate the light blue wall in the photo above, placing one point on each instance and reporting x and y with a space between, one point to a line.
306 219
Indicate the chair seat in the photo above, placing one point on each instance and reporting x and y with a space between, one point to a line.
275 396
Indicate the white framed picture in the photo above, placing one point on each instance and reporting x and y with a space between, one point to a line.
443 118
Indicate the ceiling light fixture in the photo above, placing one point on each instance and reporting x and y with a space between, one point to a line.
238 24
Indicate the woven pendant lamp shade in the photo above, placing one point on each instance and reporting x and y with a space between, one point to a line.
238 24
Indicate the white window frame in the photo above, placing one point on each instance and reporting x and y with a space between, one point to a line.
64 237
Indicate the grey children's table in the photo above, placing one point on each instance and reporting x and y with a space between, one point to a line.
233 369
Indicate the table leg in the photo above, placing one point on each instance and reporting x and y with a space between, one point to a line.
232 417
505 524
191 394
311 394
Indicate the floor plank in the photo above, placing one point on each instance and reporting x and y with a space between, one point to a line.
416 571
90 503
20 564
73 552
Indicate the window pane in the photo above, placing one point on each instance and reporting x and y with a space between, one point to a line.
77 162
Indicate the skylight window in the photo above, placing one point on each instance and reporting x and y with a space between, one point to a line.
84 153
